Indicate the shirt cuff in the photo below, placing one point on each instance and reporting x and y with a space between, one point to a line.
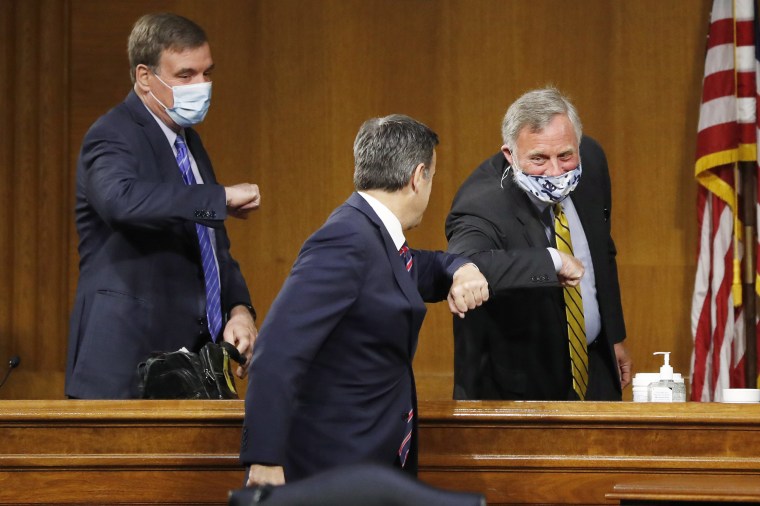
556 259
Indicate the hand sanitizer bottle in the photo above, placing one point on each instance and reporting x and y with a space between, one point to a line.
662 391
679 390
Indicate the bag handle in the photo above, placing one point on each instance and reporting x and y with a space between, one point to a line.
233 352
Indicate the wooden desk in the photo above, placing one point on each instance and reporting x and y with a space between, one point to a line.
186 452
576 453
119 452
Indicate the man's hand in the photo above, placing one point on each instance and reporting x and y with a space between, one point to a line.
572 270
469 290
241 332
242 199
265 475
625 364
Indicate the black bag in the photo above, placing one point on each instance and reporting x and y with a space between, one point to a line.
186 375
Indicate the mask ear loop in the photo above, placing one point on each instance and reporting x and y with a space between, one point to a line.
506 171
503 176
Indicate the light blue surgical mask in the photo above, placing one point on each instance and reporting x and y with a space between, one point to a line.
191 102
549 189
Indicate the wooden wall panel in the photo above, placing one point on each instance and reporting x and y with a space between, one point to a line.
7 50
34 237
295 80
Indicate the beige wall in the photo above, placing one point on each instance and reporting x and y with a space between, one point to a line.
294 81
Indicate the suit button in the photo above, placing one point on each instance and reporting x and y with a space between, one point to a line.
202 321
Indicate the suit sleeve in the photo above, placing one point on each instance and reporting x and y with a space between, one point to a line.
323 284
121 197
505 269
436 271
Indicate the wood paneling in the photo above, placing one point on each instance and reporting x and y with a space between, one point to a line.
688 490
36 195
294 81
186 452
576 453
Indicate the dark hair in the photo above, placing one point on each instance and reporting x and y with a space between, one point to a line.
387 150
155 33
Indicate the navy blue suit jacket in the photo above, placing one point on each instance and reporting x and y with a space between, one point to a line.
331 378
141 286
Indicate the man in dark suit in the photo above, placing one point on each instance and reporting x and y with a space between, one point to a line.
155 271
519 346
331 379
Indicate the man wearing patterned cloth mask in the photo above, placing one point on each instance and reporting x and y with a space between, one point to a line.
535 219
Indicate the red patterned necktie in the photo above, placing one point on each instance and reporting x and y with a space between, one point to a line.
406 254
403 451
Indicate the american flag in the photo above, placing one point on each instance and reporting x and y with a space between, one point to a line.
727 135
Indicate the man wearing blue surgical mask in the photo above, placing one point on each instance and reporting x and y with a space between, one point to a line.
155 270
535 219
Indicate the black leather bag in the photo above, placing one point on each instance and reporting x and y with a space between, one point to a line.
186 375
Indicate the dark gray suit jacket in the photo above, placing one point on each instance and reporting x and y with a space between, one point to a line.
515 346
141 286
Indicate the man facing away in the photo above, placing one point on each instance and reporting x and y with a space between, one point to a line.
155 270
535 218
331 378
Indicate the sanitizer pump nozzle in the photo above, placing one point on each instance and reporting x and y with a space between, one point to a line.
666 371
662 391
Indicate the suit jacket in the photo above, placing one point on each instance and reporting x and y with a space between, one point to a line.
331 379
141 287
515 346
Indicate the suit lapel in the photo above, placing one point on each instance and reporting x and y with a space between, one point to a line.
526 213
200 156
405 281
534 232
166 163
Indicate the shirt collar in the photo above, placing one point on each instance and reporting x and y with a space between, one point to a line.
170 134
390 221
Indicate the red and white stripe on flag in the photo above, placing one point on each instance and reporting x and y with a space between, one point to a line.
727 134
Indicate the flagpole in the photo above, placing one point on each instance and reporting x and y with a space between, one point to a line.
749 217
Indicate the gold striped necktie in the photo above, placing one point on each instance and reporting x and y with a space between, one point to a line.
576 326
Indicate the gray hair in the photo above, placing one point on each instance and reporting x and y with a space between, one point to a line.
155 33
535 109
387 150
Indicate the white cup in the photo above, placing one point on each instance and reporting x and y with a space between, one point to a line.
741 395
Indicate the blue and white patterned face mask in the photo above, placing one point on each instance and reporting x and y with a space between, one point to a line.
549 189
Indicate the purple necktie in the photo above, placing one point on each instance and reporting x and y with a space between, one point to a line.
210 272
